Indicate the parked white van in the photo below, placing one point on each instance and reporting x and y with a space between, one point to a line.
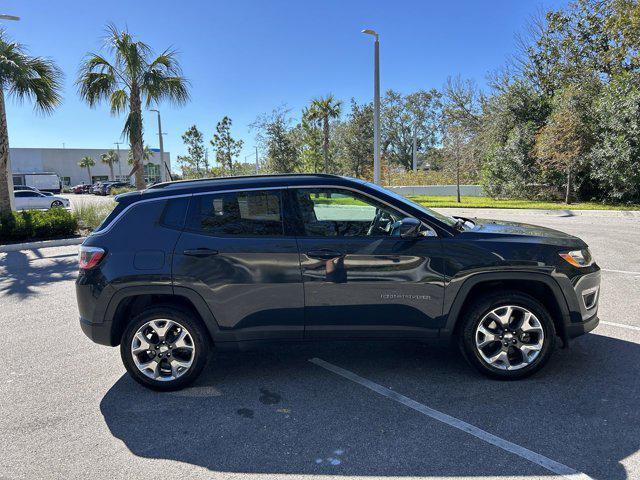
43 181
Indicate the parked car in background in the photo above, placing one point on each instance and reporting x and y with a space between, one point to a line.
30 200
32 189
105 187
95 189
82 188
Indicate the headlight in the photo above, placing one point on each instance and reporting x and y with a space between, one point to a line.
578 258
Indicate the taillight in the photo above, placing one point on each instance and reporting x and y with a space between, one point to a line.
89 257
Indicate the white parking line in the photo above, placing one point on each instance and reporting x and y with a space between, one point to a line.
619 271
612 324
541 460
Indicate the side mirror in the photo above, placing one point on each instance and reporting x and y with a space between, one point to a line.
408 227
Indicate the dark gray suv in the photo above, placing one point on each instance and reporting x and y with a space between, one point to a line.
184 267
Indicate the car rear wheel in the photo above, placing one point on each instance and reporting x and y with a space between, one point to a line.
56 204
507 336
164 348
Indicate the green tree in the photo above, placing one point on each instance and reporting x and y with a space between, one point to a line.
510 121
22 77
87 162
564 142
109 158
147 154
282 156
310 141
324 109
615 155
132 77
355 141
461 123
404 116
225 146
194 161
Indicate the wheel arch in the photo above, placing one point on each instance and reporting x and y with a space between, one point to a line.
540 286
128 302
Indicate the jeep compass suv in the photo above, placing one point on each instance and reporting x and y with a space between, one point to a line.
184 267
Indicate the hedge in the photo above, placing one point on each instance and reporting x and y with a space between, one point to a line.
37 225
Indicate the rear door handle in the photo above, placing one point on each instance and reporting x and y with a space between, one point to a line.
324 254
200 252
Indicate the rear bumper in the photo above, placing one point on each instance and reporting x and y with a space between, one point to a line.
97 332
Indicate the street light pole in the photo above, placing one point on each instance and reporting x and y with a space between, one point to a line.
376 105
257 164
163 165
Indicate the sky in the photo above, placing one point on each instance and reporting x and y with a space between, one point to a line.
244 58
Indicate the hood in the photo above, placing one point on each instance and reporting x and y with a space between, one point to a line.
498 228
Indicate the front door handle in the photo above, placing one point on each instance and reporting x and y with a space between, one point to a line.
200 252
324 254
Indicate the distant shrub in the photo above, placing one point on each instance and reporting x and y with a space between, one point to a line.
89 214
37 225
119 190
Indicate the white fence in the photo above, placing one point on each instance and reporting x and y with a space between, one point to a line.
437 190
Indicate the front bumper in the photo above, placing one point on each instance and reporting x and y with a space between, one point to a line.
576 329
582 298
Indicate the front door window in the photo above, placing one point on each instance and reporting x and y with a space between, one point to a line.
342 213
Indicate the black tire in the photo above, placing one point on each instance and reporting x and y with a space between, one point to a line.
56 204
195 329
484 305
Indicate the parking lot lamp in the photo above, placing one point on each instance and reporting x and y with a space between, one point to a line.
376 105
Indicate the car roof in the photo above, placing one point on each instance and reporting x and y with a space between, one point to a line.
184 187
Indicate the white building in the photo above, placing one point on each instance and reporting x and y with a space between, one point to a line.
64 162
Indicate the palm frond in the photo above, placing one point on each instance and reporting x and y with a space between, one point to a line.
130 55
159 87
25 77
118 101
96 79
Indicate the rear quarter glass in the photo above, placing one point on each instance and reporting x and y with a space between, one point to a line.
114 213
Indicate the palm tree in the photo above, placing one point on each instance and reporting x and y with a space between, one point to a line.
22 77
132 77
87 162
110 158
147 153
323 110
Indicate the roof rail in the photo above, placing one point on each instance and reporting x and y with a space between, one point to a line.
271 175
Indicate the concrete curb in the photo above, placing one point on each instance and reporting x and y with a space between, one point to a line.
42 244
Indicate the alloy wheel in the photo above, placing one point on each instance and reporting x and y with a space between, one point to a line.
509 337
163 350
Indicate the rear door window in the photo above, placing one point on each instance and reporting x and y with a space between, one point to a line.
253 213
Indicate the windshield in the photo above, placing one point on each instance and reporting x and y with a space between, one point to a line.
452 222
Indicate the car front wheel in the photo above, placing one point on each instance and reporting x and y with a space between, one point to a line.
56 204
507 336
164 348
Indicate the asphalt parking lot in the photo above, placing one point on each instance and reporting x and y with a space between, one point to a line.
392 410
